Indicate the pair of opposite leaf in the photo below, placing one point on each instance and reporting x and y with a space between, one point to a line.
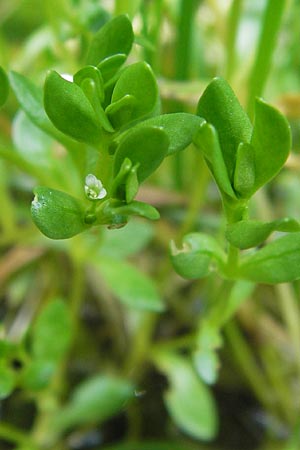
242 158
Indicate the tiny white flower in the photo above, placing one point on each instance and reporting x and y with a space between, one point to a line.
93 188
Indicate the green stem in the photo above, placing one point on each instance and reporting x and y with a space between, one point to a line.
7 208
244 358
198 195
266 45
234 17
290 311
184 38
12 434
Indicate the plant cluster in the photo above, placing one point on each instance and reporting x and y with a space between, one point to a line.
91 139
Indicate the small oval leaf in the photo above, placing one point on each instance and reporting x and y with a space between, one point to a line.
197 257
57 214
219 106
70 110
146 146
113 38
271 141
179 127
138 81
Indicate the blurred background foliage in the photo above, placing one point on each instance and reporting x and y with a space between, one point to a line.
68 343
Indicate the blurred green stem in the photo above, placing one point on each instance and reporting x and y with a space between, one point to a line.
247 364
12 434
266 45
290 312
234 17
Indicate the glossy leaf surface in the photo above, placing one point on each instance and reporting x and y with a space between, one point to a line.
244 174
206 139
278 262
70 110
179 127
144 146
220 107
57 214
110 65
271 141
115 37
138 81
250 233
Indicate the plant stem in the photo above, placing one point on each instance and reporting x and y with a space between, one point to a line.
266 45
197 195
247 364
184 38
291 314
12 434
232 32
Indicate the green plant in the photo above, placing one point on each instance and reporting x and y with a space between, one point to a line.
92 341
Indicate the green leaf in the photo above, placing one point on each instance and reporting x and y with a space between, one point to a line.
90 80
138 81
197 257
278 262
93 401
271 141
133 288
110 65
52 332
57 214
93 74
147 146
206 139
244 174
250 233
7 381
4 87
30 98
207 365
121 111
132 184
179 127
32 143
138 209
38 374
113 38
70 110
188 400
219 106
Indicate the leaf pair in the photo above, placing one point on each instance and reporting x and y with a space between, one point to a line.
242 158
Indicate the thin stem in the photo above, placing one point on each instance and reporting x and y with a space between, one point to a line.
197 195
184 38
290 311
234 17
244 358
266 45
12 434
